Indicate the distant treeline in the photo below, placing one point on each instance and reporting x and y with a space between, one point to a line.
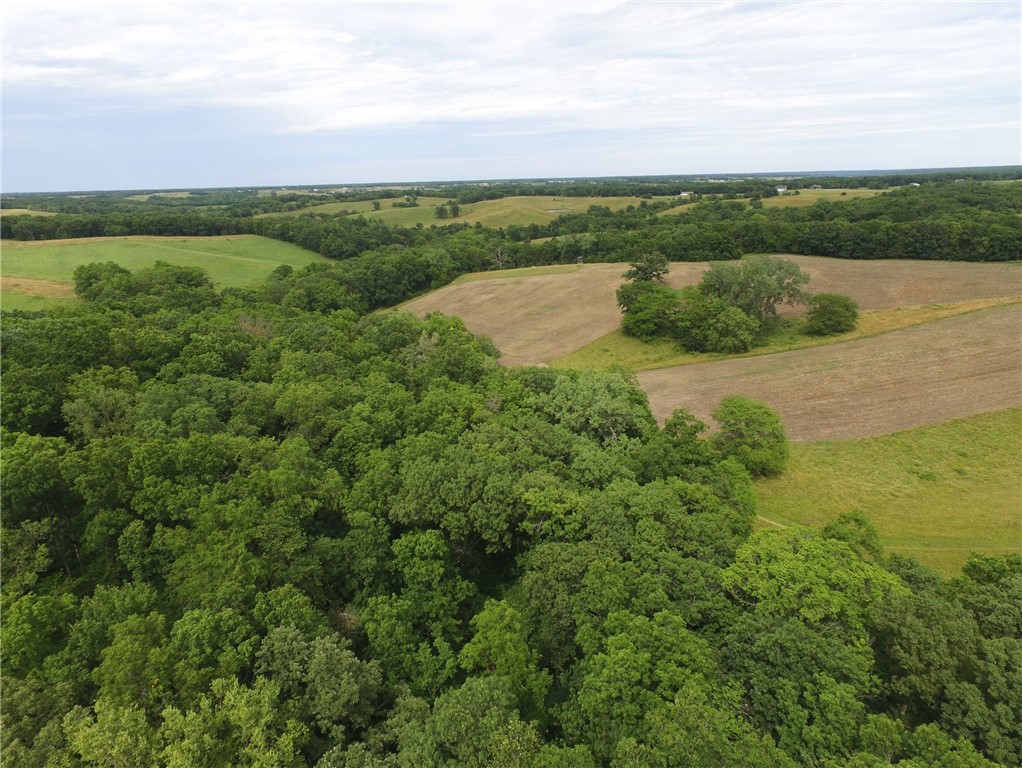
965 221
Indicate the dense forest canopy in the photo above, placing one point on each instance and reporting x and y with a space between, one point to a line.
279 528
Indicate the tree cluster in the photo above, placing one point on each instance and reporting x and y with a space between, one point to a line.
247 528
734 306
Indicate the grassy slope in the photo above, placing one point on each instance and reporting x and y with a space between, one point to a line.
241 261
11 300
935 493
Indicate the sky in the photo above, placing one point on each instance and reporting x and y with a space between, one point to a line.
160 95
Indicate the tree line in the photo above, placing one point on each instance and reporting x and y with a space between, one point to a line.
955 221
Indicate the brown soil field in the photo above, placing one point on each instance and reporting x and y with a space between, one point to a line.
45 288
536 318
952 368
886 284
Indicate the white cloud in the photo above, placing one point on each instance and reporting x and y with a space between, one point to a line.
720 70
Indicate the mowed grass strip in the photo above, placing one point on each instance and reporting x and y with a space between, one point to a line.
238 261
935 493
618 350
15 299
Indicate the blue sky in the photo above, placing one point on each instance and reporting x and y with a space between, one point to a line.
133 95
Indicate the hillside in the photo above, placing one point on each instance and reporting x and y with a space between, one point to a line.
536 316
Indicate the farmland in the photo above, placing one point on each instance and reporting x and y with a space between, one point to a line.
538 317
222 504
936 341
928 373
807 197
241 261
506 211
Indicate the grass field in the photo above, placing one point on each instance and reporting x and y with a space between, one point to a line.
241 261
935 493
425 212
20 298
806 197
24 212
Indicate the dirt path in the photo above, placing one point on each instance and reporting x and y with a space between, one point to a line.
952 368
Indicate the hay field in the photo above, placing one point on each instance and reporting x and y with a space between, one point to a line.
539 210
242 261
952 368
807 197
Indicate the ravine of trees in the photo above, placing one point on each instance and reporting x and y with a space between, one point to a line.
270 528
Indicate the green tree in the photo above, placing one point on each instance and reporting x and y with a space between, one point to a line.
705 323
650 267
752 433
499 647
648 308
831 313
756 285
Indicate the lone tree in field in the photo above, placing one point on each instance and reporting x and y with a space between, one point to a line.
831 313
751 432
650 267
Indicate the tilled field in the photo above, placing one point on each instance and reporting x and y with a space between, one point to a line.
952 368
534 319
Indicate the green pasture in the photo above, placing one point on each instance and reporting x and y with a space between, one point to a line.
809 196
934 493
425 213
24 212
241 261
539 210
12 300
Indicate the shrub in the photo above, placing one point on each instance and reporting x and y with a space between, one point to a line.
831 313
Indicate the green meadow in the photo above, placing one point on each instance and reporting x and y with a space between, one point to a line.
806 197
12 300
935 493
240 261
